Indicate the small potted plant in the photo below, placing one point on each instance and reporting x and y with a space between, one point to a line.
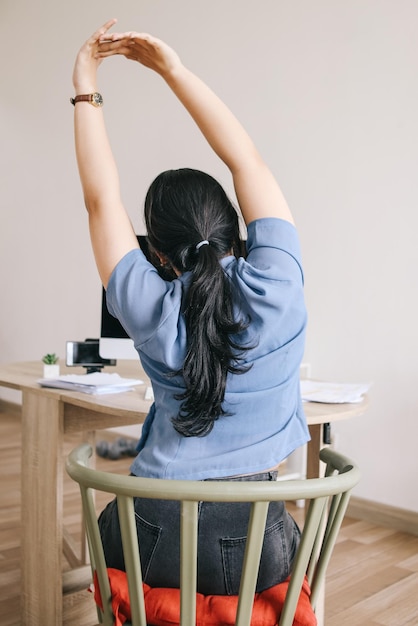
51 366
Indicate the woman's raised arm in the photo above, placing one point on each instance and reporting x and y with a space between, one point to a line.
111 231
257 191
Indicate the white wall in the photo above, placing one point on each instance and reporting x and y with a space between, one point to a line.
329 91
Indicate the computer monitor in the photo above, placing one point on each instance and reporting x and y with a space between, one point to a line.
114 343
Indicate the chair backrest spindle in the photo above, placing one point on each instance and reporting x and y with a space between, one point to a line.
252 555
188 562
132 558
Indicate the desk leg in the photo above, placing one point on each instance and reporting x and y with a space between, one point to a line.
42 466
314 446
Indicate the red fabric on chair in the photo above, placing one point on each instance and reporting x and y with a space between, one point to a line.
163 605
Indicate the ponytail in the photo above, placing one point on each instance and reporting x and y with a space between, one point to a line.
192 222
211 350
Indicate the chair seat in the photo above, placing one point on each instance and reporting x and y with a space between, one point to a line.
163 605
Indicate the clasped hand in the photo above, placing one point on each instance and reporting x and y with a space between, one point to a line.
141 47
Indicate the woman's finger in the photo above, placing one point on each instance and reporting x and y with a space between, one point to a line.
103 29
120 43
107 50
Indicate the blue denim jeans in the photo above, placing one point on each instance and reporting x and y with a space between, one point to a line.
221 542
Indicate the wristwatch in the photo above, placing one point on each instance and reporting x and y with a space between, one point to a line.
95 99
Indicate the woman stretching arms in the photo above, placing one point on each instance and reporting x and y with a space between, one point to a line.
222 342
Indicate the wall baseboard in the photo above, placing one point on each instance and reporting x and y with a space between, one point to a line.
383 515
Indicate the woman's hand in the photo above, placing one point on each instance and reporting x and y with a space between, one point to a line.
140 47
87 61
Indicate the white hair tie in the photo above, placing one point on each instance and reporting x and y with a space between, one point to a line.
205 242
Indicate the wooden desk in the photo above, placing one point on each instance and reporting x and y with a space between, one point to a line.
49 414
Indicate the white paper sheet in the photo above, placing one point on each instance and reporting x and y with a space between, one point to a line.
95 383
332 393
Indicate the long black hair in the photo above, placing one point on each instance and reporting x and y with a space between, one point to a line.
183 208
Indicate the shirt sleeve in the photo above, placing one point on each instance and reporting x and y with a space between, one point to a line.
273 250
141 299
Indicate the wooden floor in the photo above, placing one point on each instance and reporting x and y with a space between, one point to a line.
372 578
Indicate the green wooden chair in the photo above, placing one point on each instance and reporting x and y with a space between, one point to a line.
327 499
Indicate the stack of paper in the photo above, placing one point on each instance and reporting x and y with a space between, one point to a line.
96 383
332 393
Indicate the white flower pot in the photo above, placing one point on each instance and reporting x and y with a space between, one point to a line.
51 371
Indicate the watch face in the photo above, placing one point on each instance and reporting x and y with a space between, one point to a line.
97 100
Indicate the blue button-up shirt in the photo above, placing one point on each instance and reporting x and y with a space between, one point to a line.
267 421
